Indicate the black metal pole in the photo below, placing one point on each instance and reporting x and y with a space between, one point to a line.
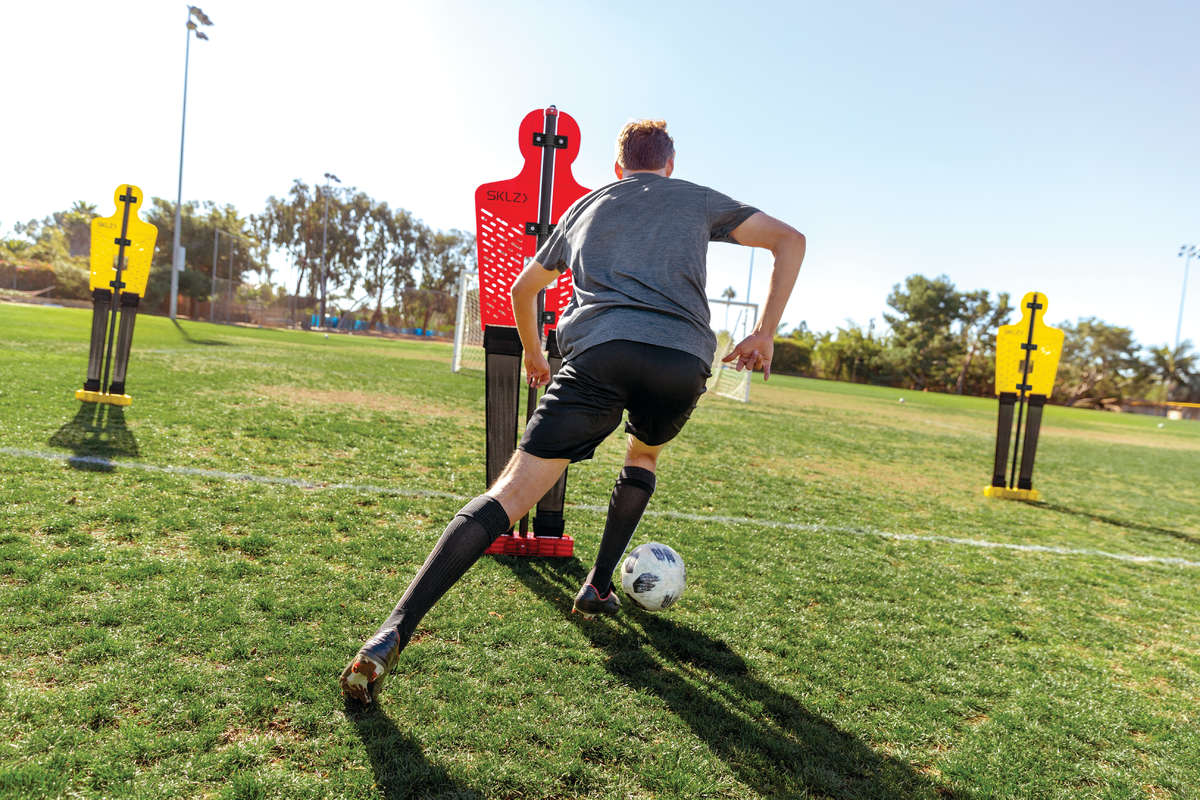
1012 475
1028 347
127 200
545 199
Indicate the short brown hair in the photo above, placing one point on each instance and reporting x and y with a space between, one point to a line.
644 144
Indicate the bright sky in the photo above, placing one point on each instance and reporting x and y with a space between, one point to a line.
1031 145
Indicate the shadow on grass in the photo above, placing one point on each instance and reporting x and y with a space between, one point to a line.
770 741
192 340
1118 523
95 435
401 770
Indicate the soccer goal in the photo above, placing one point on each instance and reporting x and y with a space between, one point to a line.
468 330
731 321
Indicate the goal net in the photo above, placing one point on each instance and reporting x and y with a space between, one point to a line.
731 321
468 330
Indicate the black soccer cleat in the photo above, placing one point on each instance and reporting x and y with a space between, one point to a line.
589 602
362 679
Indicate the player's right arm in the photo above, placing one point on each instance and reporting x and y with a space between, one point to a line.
525 290
788 246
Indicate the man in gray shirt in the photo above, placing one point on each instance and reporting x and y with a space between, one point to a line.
635 338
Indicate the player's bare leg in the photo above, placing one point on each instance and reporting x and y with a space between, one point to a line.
525 480
630 495
640 454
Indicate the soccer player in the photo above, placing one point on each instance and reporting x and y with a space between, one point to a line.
635 337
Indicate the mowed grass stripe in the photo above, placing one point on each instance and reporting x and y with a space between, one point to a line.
708 519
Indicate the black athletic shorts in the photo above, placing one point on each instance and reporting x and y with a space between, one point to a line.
658 385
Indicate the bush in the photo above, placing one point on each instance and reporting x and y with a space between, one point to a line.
71 280
25 277
792 357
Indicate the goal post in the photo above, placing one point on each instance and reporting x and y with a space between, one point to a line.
468 330
731 321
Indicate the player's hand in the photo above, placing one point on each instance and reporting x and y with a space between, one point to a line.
753 352
537 370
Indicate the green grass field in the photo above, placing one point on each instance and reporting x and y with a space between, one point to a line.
181 582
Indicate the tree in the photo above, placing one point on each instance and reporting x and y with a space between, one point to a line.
294 224
862 352
380 254
199 222
62 235
979 320
323 232
49 242
411 242
1176 369
445 255
1099 362
728 296
448 256
927 348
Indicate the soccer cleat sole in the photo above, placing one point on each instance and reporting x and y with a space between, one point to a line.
591 605
362 679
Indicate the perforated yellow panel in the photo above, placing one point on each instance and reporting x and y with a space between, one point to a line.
140 237
1044 349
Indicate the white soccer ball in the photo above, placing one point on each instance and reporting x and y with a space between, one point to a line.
653 576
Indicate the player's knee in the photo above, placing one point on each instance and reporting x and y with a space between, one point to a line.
641 455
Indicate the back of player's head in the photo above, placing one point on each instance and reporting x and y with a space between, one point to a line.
644 144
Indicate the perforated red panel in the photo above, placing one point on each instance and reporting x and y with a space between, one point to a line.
515 544
501 210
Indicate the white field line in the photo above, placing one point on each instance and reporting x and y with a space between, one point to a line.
107 464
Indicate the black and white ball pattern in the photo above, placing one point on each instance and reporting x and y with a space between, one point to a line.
653 576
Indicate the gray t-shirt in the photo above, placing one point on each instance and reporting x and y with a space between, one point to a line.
638 252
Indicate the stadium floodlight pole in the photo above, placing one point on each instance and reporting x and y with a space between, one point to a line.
1186 252
216 249
324 233
749 283
229 294
201 18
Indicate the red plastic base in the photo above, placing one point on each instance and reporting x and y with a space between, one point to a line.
514 544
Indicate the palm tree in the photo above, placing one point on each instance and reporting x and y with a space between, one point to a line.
76 223
727 296
1175 367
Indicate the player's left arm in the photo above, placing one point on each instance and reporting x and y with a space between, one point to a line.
788 246
525 290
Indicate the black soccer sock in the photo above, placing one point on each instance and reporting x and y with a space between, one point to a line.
471 531
629 498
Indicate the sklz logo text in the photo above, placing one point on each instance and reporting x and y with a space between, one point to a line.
505 197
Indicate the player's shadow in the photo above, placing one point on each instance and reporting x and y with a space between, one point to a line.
768 739
1119 523
96 435
401 769
193 340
